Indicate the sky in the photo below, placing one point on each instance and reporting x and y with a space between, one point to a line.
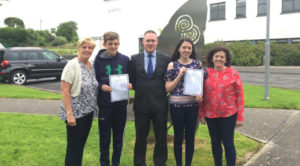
47 14
129 18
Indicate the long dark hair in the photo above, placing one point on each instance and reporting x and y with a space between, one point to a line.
176 54
216 49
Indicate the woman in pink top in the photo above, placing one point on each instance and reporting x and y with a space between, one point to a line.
223 104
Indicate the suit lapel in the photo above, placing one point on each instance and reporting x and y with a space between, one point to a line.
142 57
158 62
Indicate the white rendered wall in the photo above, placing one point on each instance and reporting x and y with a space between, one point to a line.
252 27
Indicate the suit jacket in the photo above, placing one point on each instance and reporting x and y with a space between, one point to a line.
150 93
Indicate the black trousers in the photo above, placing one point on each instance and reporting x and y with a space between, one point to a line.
111 118
184 121
142 124
221 131
76 138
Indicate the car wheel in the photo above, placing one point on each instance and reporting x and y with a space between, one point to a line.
19 77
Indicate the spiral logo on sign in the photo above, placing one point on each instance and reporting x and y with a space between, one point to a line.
185 26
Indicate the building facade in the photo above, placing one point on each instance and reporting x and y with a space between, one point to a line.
240 20
227 20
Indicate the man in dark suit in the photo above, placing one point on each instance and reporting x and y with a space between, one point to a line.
150 100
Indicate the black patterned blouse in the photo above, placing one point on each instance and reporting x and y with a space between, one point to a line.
86 101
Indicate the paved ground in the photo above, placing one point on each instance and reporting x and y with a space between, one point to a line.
279 129
50 84
283 77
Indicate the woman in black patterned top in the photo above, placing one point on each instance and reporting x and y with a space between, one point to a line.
183 108
79 91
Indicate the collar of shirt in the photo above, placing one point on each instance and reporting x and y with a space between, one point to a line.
146 54
146 60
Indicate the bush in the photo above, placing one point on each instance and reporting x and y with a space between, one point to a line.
11 37
248 54
59 40
285 54
243 53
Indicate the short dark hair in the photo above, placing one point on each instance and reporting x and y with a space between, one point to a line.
176 54
150 31
216 49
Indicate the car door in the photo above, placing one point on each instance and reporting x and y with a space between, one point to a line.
34 63
55 63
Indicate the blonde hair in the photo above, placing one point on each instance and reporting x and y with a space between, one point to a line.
85 40
110 36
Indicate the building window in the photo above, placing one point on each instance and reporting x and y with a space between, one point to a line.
290 6
217 11
240 8
262 8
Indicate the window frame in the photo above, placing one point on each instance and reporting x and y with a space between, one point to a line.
218 11
293 10
243 6
26 55
46 57
9 54
261 3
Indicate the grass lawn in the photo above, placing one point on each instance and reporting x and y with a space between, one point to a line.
35 140
254 96
15 91
279 98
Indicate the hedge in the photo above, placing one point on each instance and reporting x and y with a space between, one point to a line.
248 54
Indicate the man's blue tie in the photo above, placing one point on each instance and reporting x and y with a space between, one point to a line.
150 66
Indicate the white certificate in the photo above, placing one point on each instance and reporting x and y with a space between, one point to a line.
193 82
119 85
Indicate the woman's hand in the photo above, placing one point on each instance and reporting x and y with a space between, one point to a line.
182 72
71 119
199 98
203 121
65 89
106 88
239 124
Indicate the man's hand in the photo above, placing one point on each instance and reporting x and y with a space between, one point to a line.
129 86
199 98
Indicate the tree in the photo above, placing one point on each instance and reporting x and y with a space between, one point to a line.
47 35
68 30
53 31
2 1
14 22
